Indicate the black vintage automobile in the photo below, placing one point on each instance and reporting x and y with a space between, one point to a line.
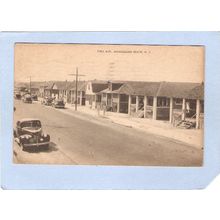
58 103
34 97
17 95
47 101
27 98
29 135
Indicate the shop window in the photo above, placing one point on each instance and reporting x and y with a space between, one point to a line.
178 101
133 99
163 102
123 98
150 100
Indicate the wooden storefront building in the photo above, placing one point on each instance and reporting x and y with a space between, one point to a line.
169 101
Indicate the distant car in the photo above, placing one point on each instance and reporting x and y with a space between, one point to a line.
47 101
27 98
58 103
17 96
29 135
34 97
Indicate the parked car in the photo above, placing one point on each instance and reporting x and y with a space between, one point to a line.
58 103
34 97
29 134
47 101
17 96
27 98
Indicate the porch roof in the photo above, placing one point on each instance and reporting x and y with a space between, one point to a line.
163 89
98 87
106 91
63 85
178 90
81 86
197 92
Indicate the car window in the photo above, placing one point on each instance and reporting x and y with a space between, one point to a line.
31 124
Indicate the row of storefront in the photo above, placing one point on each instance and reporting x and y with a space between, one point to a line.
168 101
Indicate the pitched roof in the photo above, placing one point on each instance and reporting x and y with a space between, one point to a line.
163 89
34 84
197 92
81 86
48 85
176 89
63 85
97 87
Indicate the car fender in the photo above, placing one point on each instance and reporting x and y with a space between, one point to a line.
25 136
46 136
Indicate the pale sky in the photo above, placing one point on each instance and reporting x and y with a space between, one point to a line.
46 62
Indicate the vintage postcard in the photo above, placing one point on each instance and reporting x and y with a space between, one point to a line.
109 110
89 104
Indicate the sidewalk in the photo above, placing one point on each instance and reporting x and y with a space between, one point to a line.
192 137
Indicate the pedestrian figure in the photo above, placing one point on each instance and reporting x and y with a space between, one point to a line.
104 109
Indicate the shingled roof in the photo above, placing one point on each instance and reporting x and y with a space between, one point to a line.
97 87
197 92
162 89
176 89
63 85
81 86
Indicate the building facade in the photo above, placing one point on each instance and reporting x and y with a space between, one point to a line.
93 97
167 101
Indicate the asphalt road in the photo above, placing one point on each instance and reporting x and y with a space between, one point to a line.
77 138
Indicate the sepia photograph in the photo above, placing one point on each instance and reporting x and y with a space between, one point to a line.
109 104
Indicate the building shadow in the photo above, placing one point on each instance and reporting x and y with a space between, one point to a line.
52 147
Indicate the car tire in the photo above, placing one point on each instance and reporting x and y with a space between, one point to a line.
23 147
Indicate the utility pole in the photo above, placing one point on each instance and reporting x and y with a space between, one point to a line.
76 84
30 85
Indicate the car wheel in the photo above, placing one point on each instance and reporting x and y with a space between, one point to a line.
23 148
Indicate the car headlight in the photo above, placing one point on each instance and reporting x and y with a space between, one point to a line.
41 139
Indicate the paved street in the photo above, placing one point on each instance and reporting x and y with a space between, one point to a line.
77 138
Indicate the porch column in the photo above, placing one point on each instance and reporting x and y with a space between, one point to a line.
118 106
145 106
80 98
106 101
137 103
197 113
101 97
171 110
155 108
95 101
129 104
184 109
